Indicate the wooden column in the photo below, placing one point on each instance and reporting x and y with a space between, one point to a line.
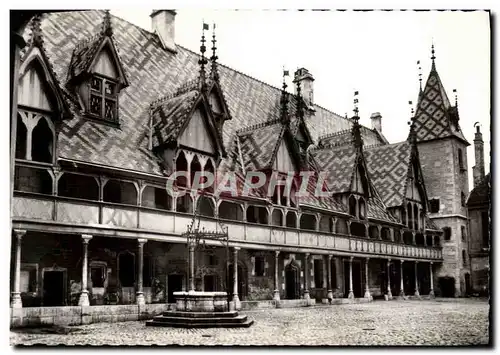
389 293
236 299
329 278
416 279
276 276
367 281
431 293
139 298
16 301
401 287
84 295
306 277
351 293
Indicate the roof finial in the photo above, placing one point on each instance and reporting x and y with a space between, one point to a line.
284 98
36 31
107 30
433 56
419 75
412 136
456 97
356 101
203 61
300 110
214 74
356 127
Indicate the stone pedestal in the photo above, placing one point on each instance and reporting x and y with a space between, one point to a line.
16 301
198 301
84 299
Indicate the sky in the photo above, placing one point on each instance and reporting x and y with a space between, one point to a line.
372 52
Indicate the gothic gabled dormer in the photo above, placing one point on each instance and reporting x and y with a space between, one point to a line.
36 73
187 126
97 76
42 103
220 109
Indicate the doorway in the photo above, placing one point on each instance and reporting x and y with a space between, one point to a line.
292 281
174 285
53 288
356 279
209 283
447 286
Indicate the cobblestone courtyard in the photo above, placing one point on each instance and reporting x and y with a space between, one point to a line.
437 322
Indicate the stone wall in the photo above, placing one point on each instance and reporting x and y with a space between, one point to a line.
76 315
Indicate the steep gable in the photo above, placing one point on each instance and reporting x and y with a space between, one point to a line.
435 118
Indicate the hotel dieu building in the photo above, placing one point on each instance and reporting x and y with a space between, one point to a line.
104 112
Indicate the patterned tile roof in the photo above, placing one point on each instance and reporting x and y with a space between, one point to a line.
370 138
377 210
170 116
327 203
152 72
338 163
388 169
435 117
258 144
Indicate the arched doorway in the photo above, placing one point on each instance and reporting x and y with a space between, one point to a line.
242 281
292 280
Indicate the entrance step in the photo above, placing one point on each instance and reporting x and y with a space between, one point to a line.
200 320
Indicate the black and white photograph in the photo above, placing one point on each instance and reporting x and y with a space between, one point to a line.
249 177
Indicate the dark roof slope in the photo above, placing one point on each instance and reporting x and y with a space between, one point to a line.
481 194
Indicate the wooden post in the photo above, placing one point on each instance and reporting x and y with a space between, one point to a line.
84 295
16 301
139 298
236 299
351 293
276 276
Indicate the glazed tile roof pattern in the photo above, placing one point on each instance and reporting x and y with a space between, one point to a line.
170 116
338 163
327 203
83 55
388 169
152 72
259 144
377 210
370 138
433 117
481 194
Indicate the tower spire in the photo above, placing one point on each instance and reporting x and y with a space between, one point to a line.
36 38
284 98
203 61
214 74
107 30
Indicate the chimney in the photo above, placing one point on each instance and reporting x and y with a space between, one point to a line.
305 80
376 118
478 169
163 24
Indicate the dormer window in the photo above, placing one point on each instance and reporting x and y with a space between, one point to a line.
103 98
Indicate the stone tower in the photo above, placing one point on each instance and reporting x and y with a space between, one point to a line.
443 155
